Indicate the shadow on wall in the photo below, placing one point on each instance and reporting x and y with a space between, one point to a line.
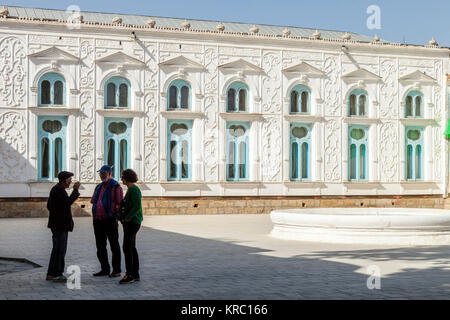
17 177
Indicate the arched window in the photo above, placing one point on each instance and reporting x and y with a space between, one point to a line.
358 141
237 97
51 147
414 154
179 95
117 144
179 138
357 103
300 142
117 91
414 105
237 151
300 99
51 90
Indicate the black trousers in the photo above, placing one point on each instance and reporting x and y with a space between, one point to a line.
130 230
107 229
58 255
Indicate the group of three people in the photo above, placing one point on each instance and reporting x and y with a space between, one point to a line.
108 206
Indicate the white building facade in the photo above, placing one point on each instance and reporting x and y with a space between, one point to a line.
213 112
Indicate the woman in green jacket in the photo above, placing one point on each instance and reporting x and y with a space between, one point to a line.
131 224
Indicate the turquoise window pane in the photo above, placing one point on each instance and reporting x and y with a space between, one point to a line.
352 105
231 157
304 160
352 162
111 153
123 96
58 92
231 100
58 157
242 160
242 99
184 97
45 92
173 159
123 155
294 160
418 106
294 101
409 112
409 160
362 164
111 95
362 105
45 158
304 101
418 162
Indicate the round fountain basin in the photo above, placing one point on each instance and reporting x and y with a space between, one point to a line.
403 226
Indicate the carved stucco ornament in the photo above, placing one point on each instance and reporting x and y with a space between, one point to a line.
220 27
254 29
4 11
316 35
151 22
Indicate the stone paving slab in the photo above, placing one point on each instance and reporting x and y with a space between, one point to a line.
223 257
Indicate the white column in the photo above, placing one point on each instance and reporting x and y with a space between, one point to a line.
373 151
197 150
32 145
428 154
317 152
345 151
254 151
71 138
286 125
163 146
401 150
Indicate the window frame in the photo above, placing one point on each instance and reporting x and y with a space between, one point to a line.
358 93
415 144
299 155
52 137
52 78
300 89
238 86
179 84
117 141
117 81
358 143
179 142
414 94
237 153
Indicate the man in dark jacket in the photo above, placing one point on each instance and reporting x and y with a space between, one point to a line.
105 204
60 222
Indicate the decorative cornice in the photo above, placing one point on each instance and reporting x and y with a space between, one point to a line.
182 115
418 121
241 116
149 28
119 113
49 111
361 120
303 118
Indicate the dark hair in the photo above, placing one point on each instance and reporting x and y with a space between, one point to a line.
129 175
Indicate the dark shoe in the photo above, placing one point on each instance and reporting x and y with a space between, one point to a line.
101 274
114 274
126 279
60 279
49 278
137 278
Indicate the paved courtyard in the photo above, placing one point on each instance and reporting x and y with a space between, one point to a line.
223 257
